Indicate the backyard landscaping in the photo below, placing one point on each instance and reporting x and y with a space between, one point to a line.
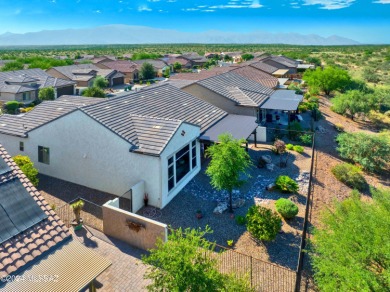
199 195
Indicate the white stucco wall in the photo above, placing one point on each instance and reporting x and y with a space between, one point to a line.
176 143
84 152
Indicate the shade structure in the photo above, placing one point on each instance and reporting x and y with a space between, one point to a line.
70 267
285 100
241 127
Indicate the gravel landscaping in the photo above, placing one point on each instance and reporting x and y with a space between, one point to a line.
199 195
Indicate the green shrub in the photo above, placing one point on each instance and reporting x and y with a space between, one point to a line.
294 130
12 106
298 149
306 139
286 184
240 220
27 166
289 146
286 208
262 223
372 152
350 175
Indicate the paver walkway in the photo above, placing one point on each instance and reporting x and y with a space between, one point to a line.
127 270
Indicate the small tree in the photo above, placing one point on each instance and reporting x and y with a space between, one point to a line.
27 166
228 160
100 82
94 92
182 264
12 106
147 71
247 57
46 93
372 152
262 223
177 66
350 251
328 79
167 73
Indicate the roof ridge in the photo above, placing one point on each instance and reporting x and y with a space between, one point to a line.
155 118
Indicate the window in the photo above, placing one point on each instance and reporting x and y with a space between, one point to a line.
181 163
21 146
43 155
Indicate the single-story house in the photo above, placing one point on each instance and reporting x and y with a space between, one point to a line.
128 68
236 94
185 63
235 56
37 251
85 74
103 59
195 59
257 75
150 136
282 63
24 85
158 65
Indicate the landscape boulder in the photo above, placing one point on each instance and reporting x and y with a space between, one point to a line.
221 207
266 158
238 203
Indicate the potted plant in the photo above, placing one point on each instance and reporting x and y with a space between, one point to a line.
77 223
146 199
230 242
199 214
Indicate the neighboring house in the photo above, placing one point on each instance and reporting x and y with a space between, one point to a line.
202 74
235 56
37 251
128 68
257 75
282 63
103 59
85 74
24 85
185 63
150 136
238 95
195 59
158 65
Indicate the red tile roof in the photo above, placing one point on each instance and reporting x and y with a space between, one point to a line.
23 248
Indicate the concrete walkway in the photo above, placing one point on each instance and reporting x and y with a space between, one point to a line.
127 270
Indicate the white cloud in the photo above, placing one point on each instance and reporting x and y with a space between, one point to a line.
382 2
190 9
97 11
144 8
208 10
330 4
256 4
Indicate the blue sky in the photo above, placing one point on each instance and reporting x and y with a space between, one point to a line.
367 21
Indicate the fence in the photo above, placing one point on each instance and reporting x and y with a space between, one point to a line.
92 214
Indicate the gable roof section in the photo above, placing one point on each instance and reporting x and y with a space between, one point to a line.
285 61
149 118
203 74
121 66
19 81
257 75
72 70
255 93
264 67
43 113
25 247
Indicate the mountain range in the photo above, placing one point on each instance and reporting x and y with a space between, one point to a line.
126 34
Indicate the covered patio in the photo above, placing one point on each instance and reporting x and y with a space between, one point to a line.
240 127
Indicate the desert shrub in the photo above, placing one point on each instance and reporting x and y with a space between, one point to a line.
286 208
262 223
286 184
47 93
26 109
306 139
380 120
12 106
298 148
27 166
294 130
316 114
372 152
94 92
240 220
279 147
350 175
289 146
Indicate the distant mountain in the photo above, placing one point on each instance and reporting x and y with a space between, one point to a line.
125 34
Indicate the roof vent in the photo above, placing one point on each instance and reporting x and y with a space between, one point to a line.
108 107
156 127
184 103
60 108
3 125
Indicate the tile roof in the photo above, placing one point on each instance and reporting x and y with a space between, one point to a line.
149 118
235 87
19 81
257 75
203 74
72 71
43 113
159 64
22 249
122 66
176 83
264 67
172 60
285 61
